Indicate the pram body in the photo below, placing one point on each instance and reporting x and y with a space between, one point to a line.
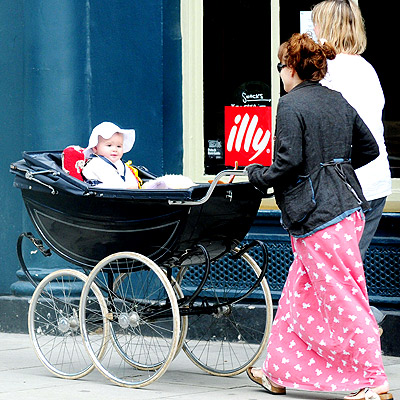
153 282
84 225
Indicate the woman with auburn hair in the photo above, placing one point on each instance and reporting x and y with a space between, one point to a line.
340 23
324 336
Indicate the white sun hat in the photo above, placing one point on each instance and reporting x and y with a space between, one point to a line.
106 130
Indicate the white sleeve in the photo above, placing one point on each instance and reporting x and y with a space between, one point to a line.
90 170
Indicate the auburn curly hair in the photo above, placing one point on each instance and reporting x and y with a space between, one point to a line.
307 57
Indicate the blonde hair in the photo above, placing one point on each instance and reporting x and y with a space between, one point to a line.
340 22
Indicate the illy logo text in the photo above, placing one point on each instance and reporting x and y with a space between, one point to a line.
248 135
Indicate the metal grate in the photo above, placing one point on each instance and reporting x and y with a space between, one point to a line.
382 271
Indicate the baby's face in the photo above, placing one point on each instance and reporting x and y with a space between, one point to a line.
112 148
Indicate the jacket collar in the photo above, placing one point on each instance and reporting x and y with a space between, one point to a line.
305 84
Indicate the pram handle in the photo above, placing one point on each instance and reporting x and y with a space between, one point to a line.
210 190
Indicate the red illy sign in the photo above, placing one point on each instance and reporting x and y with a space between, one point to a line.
248 135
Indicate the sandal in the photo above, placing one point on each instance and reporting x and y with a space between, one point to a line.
368 394
265 382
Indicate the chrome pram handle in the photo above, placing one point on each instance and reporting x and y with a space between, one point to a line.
30 176
210 189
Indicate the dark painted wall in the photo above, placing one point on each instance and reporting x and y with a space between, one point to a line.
67 65
11 128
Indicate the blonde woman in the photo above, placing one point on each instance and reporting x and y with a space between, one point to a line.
340 23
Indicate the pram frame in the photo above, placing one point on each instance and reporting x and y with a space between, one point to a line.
179 306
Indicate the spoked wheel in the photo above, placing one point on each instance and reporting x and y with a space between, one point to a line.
183 319
184 322
53 322
226 337
143 315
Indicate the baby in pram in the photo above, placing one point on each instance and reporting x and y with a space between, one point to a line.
105 169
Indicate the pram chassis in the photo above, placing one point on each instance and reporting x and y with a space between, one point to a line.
136 311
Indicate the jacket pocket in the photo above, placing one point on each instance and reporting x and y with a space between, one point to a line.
299 201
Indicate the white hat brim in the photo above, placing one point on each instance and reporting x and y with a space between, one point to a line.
106 130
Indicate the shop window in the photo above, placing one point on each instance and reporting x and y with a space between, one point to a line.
237 66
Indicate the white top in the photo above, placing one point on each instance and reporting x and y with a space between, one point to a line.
357 81
110 177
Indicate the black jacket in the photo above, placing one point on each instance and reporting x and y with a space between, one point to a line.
320 140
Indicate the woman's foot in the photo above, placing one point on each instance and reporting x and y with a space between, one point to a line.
257 375
377 393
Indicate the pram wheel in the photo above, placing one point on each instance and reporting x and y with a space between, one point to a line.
183 320
231 338
143 315
53 322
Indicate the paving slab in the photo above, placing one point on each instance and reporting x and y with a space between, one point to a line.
22 377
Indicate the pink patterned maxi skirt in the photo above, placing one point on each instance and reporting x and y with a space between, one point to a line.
324 336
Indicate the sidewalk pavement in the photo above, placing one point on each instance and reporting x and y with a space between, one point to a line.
22 376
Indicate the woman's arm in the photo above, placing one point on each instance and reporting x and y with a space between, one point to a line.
288 151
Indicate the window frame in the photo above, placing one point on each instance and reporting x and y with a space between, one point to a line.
192 84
